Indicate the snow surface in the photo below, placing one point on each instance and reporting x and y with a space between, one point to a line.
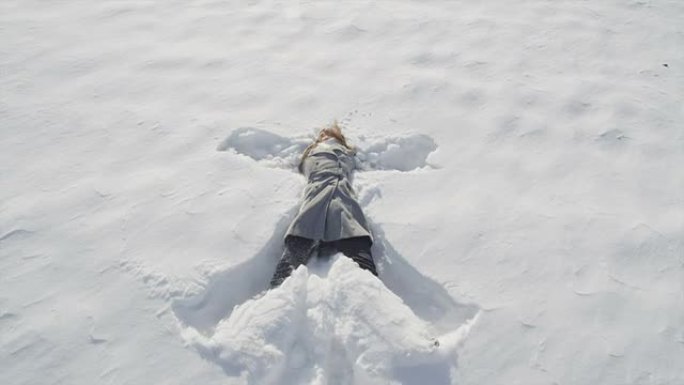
520 167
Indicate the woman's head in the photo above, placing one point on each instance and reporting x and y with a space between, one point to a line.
331 131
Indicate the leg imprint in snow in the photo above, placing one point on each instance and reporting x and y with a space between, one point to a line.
402 153
228 288
323 326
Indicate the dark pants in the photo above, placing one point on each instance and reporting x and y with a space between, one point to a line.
298 251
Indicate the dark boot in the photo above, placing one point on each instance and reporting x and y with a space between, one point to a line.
297 252
359 250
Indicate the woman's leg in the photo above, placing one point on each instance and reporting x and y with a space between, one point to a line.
297 252
358 249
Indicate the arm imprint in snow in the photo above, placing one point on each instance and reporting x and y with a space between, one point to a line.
396 153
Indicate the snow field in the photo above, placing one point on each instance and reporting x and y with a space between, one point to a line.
548 192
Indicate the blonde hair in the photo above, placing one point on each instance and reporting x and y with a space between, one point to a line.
332 131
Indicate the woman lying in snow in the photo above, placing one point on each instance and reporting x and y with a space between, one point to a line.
330 219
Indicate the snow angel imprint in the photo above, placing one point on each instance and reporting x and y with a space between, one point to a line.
330 219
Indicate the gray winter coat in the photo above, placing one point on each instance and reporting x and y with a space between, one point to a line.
329 211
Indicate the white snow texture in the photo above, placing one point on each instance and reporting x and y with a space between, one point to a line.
520 164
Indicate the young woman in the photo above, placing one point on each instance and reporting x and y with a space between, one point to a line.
330 219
